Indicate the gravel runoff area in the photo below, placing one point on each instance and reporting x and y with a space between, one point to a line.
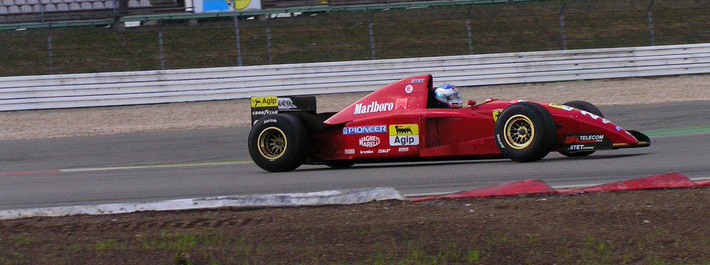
232 113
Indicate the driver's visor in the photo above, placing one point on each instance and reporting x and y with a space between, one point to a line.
454 96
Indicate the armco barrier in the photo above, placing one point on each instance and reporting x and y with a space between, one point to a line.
148 87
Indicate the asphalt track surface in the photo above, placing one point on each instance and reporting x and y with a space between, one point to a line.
203 163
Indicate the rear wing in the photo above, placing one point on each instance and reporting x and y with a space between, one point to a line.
266 105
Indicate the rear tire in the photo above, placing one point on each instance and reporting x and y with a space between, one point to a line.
588 107
278 143
525 132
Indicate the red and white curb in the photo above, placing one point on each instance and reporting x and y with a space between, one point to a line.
536 186
355 196
333 197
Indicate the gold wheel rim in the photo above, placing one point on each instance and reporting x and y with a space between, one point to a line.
272 143
519 131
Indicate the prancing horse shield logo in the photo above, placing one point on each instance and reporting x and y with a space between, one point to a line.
496 113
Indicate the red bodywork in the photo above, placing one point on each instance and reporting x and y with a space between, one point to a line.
394 123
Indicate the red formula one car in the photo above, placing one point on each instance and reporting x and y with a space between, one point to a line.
400 122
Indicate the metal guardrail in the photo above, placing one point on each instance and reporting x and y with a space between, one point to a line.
149 87
57 24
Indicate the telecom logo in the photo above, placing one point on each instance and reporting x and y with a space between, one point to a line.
592 138
365 129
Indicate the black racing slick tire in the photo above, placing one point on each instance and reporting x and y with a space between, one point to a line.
588 107
278 143
525 132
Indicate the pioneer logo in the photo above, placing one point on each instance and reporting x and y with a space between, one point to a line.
365 129
373 107
369 141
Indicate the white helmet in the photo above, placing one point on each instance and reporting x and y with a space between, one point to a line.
448 94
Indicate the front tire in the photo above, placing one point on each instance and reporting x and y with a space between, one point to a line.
278 143
588 107
525 132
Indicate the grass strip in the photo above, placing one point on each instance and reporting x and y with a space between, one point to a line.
678 131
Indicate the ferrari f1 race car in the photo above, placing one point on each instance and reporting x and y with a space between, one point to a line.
401 122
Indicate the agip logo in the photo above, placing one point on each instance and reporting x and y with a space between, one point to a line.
261 102
404 134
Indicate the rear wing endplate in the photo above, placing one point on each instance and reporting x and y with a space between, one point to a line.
266 105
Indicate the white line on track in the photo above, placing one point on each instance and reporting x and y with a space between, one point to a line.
148 167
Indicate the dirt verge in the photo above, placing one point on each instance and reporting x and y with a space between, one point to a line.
640 227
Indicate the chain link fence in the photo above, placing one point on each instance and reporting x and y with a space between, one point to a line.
343 36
